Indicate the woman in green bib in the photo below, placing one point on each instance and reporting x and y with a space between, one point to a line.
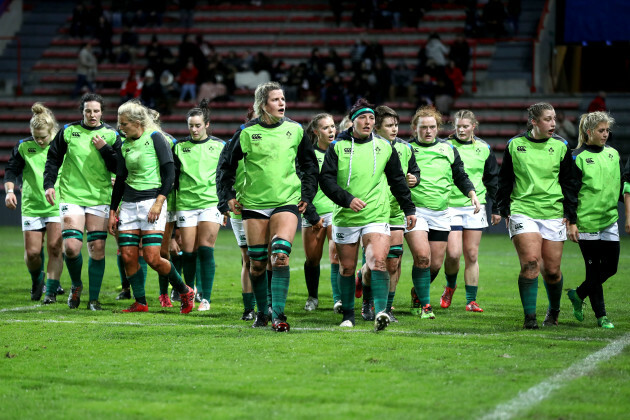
83 155
198 218
359 170
144 177
598 170
321 129
38 218
466 224
272 196
537 195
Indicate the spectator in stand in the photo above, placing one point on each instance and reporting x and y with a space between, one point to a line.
335 60
86 69
456 77
79 20
104 32
444 94
599 103
188 81
131 87
169 92
129 43
158 57
436 50
335 96
186 11
401 81
150 90
493 18
189 49
383 81
566 129
460 53
425 91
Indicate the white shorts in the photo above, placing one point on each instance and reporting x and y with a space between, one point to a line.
431 219
135 216
37 223
610 233
191 218
549 229
467 218
326 222
171 216
239 232
351 235
66 209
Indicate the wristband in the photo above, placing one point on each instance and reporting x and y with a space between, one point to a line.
9 191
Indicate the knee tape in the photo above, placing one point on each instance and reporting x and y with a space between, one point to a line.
280 246
128 239
395 251
153 239
72 234
257 252
96 235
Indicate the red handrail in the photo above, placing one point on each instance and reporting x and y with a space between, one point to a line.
18 88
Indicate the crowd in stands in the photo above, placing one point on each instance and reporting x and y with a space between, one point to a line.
437 78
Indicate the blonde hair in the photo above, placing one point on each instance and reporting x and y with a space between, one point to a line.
261 95
424 112
589 122
465 114
149 119
43 118
314 125
344 124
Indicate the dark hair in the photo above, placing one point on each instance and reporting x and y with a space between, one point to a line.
90 97
361 103
202 110
383 112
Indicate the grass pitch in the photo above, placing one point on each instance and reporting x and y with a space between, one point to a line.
62 363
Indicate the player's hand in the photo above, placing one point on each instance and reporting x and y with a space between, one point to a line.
98 142
50 196
302 206
155 211
235 206
411 181
112 223
572 232
357 204
495 219
11 201
475 201
411 221
319 225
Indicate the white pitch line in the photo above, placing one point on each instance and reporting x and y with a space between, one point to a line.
524 401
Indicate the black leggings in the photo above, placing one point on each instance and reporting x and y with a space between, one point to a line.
601 259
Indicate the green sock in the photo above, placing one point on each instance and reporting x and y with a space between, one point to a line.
451 280
471 293
208 267
421 278
346 289
124 282
269 291
43 257
528 289
334 274
176 259
259 284
74 266
380 288
144 266
136 281
51 287
367 292
96 270
176 280
248 301
36 276
198 281
554 294
311 276
189 267
163 281
280 289
390 300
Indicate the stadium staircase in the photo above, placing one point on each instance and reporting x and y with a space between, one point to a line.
280 29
